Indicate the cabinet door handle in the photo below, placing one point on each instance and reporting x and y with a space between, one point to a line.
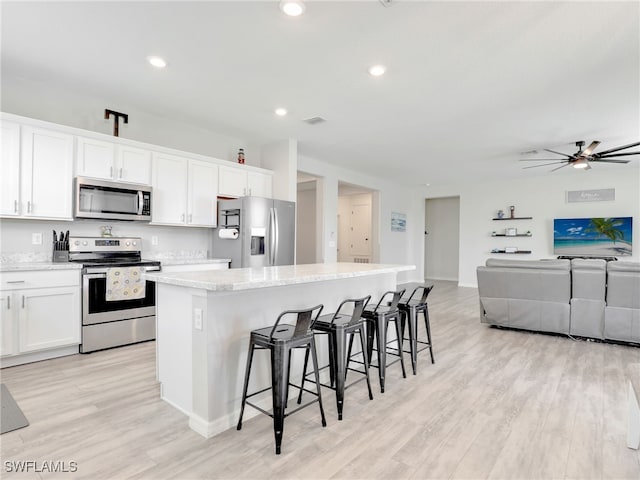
15 206
8 302
120 174
182 217
15 281
111 172
190 217
22 301
29 206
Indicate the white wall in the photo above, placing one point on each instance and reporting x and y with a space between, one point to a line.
71 107
542 198
282 158
393 247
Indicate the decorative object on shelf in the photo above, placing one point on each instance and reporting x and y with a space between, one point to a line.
398 222
241 156
512 210
500 214
105 230
117 116
510 249
510 232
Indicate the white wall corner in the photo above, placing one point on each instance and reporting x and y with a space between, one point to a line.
282 158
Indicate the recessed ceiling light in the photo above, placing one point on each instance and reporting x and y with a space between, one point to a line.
157 62
281 112
293 8
377 70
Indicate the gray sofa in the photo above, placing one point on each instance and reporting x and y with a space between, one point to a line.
582 297
622 311
532 295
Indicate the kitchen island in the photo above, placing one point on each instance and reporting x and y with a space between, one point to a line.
204 319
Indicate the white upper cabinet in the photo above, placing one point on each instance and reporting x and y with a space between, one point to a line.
112 161
184 191
238 182
169 195
46 174
202 194
260 184
10 169
133 164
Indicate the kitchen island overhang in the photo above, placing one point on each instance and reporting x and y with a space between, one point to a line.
204 319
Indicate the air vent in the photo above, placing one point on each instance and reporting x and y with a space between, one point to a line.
314 120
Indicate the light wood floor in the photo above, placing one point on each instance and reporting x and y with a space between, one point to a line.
497 404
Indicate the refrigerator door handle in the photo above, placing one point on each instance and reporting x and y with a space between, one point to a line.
276 235
272 239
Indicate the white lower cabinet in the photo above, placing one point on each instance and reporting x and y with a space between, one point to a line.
40 312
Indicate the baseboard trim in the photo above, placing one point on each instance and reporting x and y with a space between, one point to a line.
38 356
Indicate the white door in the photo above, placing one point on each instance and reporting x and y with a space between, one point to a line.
232 182
133 164
360 230
47 174
10 169
7 319
260 184
94 158
169 196
442 234
48 317
203 193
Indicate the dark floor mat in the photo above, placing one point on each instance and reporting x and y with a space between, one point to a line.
12 417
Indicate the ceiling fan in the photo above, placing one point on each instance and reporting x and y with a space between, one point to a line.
582 158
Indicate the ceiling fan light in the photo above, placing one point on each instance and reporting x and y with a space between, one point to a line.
293 8
580 163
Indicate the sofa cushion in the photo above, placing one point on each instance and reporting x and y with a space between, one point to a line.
623 285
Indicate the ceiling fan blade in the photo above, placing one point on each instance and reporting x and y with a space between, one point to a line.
558 153
609 160
543 160
561 167
589 150
614 155
611 150
544 164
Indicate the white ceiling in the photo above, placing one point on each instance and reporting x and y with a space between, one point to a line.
469 85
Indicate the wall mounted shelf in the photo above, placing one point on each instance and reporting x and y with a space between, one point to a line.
511 253
505 235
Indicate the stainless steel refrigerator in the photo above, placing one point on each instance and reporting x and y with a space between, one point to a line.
255 232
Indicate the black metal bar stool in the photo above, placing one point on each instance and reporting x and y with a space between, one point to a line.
280 340
338 326
378 318
412 308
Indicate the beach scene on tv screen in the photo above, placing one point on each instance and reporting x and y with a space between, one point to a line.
606 237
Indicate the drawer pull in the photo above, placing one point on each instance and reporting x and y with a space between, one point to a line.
22 301
15 281
8 302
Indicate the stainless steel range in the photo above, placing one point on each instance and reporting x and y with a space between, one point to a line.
111 320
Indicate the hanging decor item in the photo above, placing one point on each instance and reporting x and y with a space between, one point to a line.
241 155
117 116
512 209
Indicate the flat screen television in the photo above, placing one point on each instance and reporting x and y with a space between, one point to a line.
592 237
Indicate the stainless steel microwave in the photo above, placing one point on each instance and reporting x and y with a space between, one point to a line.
102 199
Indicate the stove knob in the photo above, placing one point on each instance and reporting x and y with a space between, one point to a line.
76 243
128 243
135 243
85 243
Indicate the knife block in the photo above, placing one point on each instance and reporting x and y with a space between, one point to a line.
60 256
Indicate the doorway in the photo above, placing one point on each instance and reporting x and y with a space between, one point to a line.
355 224
306 219
442 238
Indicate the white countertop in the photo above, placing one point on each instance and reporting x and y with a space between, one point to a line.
27 266
193 261
250 278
